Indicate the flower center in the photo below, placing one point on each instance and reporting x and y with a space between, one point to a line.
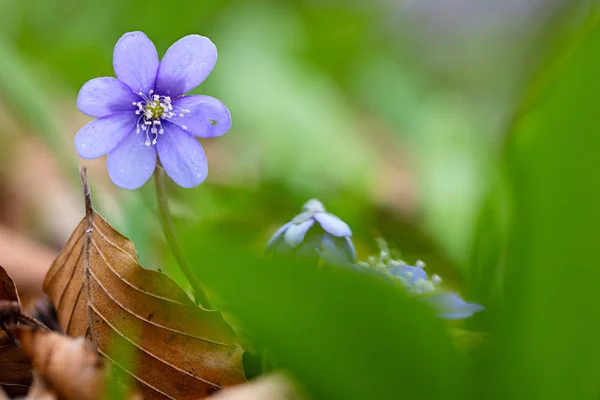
152 109
155 108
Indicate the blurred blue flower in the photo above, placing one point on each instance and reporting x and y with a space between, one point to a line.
143 112
315 233
415 281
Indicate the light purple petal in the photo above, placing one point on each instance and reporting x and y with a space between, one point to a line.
304 216
132 163
105 96
295 233
186 64
182 156
410 273
313 206
207 117
333 225
333 251
451 306
350 249
275 239
103 135
135 61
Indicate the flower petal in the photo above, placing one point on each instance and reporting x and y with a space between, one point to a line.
132 163
295 233
100 97
334 251
350 249
185 65
410 273
207 117
103 135
276 238
332 224
451 306
304 216
182 156
313 206
135 61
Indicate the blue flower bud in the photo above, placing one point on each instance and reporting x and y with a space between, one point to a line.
315 233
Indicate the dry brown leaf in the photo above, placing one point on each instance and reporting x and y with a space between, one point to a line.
42 310
15 367
100 290
69 367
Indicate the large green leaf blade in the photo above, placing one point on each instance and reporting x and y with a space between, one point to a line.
343 333
549 345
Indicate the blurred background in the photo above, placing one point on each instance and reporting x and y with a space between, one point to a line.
464 132
390 112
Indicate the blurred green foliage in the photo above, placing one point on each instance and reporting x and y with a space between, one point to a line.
317 92
553 161
538 239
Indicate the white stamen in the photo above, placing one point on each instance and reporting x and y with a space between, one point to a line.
152 109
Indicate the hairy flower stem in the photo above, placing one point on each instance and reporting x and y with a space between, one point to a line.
169 232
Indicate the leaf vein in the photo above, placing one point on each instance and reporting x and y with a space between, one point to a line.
59 302
152 322
124 280
149 353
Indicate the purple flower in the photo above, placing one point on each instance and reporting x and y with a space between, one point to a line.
143 112
329 239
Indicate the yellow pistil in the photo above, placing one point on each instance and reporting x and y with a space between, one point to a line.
155 108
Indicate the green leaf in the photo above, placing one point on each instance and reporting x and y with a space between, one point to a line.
549 345
343 333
